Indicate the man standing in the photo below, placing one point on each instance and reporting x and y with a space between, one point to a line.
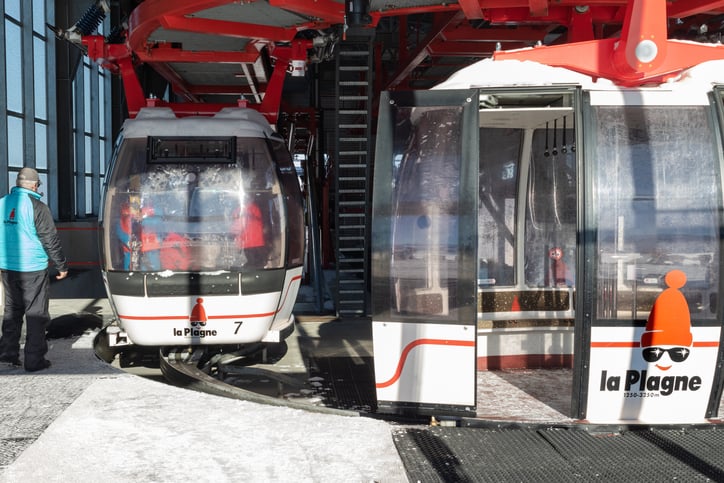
27 238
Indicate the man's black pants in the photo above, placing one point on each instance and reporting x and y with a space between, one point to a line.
26 293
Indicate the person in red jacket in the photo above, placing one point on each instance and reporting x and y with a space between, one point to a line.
248 229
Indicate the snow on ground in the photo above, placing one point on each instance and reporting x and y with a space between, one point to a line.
125 428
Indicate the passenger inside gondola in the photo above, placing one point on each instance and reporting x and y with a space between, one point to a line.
248 229
139 240
179 214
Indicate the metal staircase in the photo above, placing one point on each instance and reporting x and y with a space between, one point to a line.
353 184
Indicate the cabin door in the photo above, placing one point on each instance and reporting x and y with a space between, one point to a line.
424 251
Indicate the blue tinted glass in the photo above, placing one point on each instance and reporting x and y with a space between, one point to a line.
40 79
15 141
39 16
87 98
12 8
13 67
102 146
102 106
41 146
43 185
88 155
88 195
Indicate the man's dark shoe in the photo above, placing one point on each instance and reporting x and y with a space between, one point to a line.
13 361
43 365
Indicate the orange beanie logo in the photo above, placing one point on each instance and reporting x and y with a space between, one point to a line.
669 323
198 313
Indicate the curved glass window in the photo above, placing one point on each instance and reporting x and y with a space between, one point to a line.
295 209
194 204
657 205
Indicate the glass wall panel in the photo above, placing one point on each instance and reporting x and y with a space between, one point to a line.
16 146
40 79
39 17
102 149
102 109
87 124
12 8
88 197
43 183
13 67
41 146
88 154
20 18
656 201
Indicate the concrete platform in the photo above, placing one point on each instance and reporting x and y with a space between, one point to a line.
85 420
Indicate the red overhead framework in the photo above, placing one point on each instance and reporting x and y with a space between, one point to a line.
266 41
642 54
120 60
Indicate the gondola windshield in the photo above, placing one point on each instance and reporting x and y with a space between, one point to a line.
194 204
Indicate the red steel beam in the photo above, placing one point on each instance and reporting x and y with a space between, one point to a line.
145 18
227 29
168 53
440 48
538 8
504 4
687 8
580 28
640 55
224 90
518 15
471 9
466 33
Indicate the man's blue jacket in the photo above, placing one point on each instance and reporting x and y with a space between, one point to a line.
28 235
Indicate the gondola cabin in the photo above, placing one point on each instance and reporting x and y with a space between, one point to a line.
529 216
202 230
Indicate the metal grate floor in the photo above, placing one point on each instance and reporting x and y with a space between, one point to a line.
346 382
458 454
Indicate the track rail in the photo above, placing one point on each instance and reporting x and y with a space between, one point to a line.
181 368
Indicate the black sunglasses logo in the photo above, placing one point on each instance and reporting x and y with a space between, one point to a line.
677 354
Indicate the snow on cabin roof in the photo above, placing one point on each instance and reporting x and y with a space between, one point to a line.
498 73
494 73
161 121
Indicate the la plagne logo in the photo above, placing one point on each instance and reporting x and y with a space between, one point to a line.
666 342
197 321
11 218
